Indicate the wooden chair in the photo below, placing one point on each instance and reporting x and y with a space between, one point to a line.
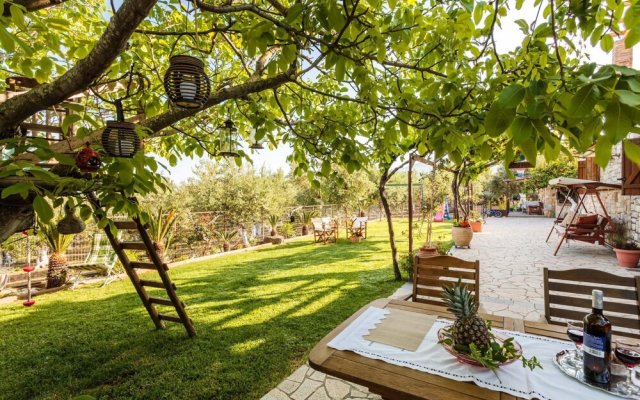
324 230
567 296
357 226
102 258
431 273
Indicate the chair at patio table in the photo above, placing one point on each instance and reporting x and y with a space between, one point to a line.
357 226
325 230
431 273
567 296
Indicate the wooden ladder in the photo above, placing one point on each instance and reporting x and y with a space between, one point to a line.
156 264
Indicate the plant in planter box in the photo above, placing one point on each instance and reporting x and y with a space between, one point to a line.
462 233
287 230
226 237
273 220
627 251
58 243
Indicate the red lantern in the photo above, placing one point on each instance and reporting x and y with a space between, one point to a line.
88 160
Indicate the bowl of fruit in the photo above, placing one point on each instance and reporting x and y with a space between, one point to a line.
470 338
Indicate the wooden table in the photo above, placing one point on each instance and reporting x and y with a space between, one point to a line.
399 383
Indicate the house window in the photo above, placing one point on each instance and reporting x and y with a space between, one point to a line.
588 169
630 174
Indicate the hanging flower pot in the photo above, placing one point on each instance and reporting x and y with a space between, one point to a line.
70 224
88 160
186 83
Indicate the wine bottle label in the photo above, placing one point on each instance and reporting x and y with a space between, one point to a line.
594 345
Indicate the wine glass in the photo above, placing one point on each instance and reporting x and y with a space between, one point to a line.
629 354
575 332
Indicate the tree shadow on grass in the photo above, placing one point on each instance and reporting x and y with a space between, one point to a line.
256 319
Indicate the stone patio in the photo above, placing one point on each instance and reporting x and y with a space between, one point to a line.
512 253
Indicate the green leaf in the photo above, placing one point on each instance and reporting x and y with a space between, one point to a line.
70 120
632 151
628 97
583 101
498 119
522 131
511 96
21 188
43 209
617 124
603 151
632 38
606 43
340 69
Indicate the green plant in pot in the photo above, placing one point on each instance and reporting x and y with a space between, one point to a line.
273 220
627 251
462 233
160 228
475 221
58 243
226 237
305 218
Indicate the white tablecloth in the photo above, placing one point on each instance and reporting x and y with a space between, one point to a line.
548 383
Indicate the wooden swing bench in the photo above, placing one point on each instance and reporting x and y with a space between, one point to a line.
590 227
101 259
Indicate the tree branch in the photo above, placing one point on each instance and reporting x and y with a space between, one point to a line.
79 77
30 5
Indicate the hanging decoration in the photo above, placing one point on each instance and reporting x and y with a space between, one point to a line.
70 224
88 160
119 138
186 83
228 143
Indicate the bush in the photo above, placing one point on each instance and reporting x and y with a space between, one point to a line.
405 263
286 230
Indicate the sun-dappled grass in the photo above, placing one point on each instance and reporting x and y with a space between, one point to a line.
257 314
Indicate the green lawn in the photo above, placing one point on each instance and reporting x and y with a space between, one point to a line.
258 314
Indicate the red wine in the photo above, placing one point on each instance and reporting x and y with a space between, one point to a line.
575 335
629 357
597 344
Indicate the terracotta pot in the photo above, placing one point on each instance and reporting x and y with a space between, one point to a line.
356 239
462 236
476 226
426 251
627 258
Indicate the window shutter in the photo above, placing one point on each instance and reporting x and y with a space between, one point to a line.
630 174
588 169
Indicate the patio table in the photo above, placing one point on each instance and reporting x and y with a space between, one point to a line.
394 382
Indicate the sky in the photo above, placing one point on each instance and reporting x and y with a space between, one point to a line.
508 37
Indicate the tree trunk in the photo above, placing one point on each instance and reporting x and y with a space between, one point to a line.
16 215
387 210
456 194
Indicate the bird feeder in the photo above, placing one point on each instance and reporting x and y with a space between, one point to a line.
70 224
228 143
186 83
119 138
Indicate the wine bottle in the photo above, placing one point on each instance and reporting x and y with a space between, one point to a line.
597 344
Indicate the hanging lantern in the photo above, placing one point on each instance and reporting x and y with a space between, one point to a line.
228 143
88 160
119 138
70 224
186 83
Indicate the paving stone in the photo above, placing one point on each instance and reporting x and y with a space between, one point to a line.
317 375
275 394
288 386
337 389
306 388
299 374
319 394
358 394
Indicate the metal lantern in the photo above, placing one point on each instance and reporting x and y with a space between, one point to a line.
228 144
186 83
119 138
70 224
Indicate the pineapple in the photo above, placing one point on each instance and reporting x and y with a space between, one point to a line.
469 327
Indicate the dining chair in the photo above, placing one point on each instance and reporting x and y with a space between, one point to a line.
567 296
430 274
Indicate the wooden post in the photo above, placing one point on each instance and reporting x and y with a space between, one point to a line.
410 201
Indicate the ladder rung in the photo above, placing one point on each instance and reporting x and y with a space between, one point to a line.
126 224
164 302
133 246
142 265
170 318
155 284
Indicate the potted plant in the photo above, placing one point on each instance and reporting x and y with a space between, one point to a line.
305 218
226 237
357 237
160 229
462 233
273 220
476 221
627 251
58 243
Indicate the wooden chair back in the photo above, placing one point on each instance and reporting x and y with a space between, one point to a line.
430 274
567 296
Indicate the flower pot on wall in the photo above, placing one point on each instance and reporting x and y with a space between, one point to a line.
627 258
476 226
462 236
426 251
